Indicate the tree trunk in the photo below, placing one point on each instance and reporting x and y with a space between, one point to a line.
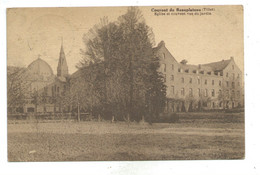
78 113
131 87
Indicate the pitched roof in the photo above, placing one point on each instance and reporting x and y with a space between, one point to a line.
214 66
219 65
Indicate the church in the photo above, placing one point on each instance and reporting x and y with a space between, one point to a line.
44 87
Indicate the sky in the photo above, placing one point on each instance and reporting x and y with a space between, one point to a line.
34 32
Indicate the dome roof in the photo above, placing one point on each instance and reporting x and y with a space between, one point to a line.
40 68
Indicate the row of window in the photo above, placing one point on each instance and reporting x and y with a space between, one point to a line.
233 75
232 84
206 94
201 72
205 81
191 80
199 92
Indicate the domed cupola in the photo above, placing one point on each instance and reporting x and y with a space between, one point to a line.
40 70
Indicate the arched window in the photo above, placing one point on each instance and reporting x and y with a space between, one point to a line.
163 55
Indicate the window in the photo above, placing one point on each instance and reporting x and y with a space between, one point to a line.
191 80
206 93
190 92
233 76
182 80
46 89
163 55
232 93
227 74
173 90
172 77
219 92
164 67
172 67
227 93
179 70
182 91
238 94
212 82
219 83
227 83
233 84
198 81
213 104
164 78
213 93
206 82
233 67
199 92
205 104
58 90
52 90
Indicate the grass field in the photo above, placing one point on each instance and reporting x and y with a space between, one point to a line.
194 136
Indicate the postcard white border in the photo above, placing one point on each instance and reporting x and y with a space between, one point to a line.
250 165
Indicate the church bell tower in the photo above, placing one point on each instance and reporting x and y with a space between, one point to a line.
62 69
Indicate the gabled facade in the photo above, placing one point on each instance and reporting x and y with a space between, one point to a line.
206 86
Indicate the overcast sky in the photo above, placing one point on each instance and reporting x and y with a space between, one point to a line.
199 39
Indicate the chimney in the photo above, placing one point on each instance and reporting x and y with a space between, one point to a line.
232 58
162 43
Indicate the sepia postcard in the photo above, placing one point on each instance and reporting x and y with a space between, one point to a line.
125 83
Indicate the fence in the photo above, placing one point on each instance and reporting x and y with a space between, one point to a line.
49 116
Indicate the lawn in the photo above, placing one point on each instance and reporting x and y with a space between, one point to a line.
194 136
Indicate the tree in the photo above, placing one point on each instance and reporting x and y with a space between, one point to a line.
189 102
144 82
126 77
17 87
80 94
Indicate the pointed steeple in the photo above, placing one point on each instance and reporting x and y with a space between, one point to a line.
62 69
